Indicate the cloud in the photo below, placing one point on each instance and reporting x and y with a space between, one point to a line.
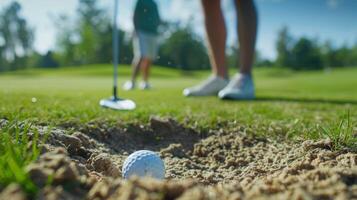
333 4
183 10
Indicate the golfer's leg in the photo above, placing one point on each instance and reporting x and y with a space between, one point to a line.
217 34
247 33
145 67
241 85
135 68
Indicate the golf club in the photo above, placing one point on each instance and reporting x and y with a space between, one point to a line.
115 102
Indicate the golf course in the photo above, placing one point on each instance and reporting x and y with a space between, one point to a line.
178 100
297 140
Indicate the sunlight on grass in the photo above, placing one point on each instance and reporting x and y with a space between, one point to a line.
341 134
288 103
17 151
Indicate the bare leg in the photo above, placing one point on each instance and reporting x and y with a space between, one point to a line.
136 68
217 36
247 33
145 67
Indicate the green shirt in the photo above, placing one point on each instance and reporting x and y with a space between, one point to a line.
146 16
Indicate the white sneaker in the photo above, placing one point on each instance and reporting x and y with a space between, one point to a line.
145 85
241 87
129 85
209 87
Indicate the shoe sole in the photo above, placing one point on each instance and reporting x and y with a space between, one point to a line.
232 97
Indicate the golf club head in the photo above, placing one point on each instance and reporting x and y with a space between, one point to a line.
118 104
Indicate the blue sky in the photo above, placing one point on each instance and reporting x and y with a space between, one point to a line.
334 20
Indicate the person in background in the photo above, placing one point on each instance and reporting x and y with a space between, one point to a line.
241 86
145 42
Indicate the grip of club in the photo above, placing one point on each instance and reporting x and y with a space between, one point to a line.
115 92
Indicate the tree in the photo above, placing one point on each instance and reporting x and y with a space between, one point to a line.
66 41
89 39
344 56
183 49
48 61
79 40
3 62
233 56
306 55
92 22
354 55
328 54
16 36
283 47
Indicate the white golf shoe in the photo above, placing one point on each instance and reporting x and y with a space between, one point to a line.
241 87
209 87
145 85
129 85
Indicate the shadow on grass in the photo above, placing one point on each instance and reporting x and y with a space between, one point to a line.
308 100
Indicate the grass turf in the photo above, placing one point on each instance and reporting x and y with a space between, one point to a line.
304 105
71 95
16 153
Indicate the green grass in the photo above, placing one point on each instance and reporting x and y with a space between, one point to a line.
16 153
297 105
341 134
71 95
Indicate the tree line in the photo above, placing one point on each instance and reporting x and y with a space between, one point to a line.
306 53
87 39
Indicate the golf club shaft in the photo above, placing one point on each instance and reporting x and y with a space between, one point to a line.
115 50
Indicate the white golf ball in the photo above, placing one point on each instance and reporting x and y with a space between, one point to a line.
143 163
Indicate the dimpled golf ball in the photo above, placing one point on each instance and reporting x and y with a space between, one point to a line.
143 163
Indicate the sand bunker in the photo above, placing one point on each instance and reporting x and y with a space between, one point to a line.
216 165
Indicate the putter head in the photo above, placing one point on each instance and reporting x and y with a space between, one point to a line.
118 104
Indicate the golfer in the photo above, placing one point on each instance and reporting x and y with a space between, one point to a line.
241 85
146 23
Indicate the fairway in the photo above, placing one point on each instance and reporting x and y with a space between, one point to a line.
72 95
301 127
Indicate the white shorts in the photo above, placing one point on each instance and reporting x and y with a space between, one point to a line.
145 45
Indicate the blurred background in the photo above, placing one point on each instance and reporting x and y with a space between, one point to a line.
299 35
